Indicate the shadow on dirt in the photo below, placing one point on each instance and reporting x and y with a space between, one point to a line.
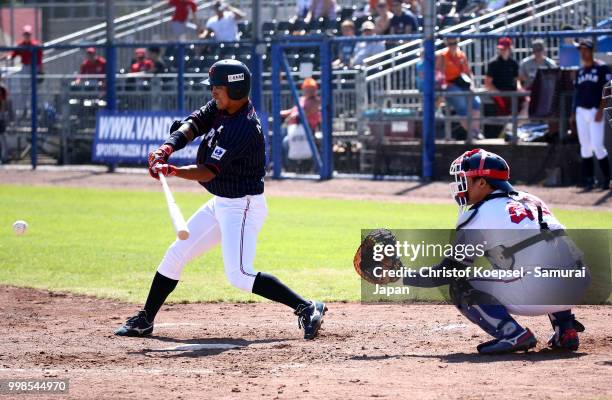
193 348
533 356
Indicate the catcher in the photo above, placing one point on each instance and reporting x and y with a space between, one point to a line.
517 230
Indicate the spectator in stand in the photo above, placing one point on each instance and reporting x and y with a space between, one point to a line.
321 9
364 50
159 67
296 142
416 7
26 55
22 89
403 21
346 49
383 20
303 6
502 76
530 65
93 63
453 67
178 24
4 120
224 24
141 63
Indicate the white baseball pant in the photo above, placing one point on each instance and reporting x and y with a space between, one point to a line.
590 133
235 224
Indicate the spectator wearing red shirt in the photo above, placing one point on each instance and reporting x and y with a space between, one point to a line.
178 24
141 63
25 54
93 64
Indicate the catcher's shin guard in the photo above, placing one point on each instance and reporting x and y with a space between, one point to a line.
521 340
488 313
566 331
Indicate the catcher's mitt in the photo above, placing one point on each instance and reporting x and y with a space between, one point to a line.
364 258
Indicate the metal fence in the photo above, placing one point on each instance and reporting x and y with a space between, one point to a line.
62 124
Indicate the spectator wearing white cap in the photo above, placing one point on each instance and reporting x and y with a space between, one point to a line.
364 49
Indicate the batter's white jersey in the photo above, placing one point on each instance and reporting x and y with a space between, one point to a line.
501 225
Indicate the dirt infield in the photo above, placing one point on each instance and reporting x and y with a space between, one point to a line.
376 351
394 191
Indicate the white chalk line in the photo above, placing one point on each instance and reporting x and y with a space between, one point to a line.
107 370
172 324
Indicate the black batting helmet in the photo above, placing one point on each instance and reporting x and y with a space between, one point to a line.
233 74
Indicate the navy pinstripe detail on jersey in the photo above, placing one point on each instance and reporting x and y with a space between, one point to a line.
233 147
242 238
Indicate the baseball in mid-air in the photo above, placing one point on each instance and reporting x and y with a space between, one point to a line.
20 227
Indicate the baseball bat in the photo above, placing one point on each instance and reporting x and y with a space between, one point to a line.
180 226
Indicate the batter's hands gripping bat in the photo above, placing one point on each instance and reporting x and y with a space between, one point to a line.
180 226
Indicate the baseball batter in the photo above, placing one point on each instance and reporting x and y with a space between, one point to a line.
588 108
231 165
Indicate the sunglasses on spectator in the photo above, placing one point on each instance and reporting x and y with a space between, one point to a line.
452 43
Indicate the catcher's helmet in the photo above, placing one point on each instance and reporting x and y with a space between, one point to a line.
607 95
479 163
233 74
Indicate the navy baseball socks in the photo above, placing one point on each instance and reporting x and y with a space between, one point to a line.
588 174
141 324
604 166
309 313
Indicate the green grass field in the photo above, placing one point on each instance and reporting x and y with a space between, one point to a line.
108 242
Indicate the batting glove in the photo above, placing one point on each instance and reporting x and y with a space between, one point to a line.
159 156
164 169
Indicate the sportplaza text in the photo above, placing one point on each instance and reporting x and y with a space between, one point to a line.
412 251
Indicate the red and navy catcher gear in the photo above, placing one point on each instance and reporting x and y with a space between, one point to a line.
233 74
478 163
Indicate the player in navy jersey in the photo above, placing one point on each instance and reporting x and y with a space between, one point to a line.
588 108
230 164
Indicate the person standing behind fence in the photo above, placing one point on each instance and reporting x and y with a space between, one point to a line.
321 9
296 140
452 64
178 24
502 76
345 49
224 24
364 49
92 65
588 108
403 21
529 67
24 84
4 120
141 63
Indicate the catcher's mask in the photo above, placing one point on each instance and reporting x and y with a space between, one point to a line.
478 163
607 95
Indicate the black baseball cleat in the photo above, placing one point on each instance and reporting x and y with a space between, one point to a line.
138 325
310 317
